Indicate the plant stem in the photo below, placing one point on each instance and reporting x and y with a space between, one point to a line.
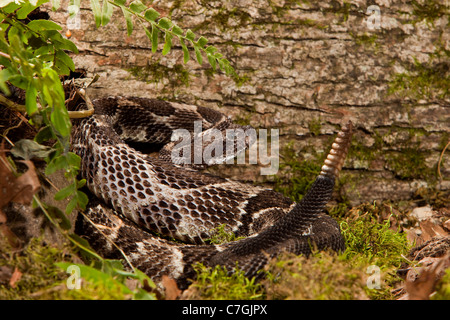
12 105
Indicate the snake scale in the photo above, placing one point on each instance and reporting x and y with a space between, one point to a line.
144 202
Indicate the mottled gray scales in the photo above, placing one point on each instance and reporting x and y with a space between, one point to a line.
141 197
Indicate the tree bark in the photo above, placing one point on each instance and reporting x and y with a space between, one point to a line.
304 68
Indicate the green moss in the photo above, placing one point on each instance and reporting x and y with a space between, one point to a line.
314 126
225 19
217 284
296 176
38 272
341 11
428 11
409 163
422 81
443 288
156 72
323 276
399 149
222 235
361 152
371 238
366 40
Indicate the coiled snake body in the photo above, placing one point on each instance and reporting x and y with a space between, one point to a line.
141 197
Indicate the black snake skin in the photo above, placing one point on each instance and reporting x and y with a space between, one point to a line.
145 202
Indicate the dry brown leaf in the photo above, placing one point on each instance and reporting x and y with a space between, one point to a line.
171 288
421 286
431 230
10 236
446 224
15 189
15 277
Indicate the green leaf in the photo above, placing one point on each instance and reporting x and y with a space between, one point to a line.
26 8
39 25
190 35
73 160
107 12
212 61
137 6
148 33
29 149
155 32
185 51
65 192
167 44
61 68
97 11
30 98
66 44
198 55
211 49
71 205
151 14
129 22
165 23
61 55
19 81
83 245
177 30
44 134
57 163
98 278
60 217
44 50
81 183
120 2
82 199
5 74
60 119
202 41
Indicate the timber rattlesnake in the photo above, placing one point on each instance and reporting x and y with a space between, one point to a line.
140 197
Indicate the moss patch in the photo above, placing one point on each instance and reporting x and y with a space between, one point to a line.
423 81
428 11
36 266
296 176
323 276
155 73
443 288
217 284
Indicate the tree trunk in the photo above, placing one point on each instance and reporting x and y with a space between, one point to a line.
303 68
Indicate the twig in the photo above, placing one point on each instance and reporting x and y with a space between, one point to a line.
107 239
83 113
440 160
7 56
12 105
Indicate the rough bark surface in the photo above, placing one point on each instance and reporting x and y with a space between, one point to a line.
304 68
